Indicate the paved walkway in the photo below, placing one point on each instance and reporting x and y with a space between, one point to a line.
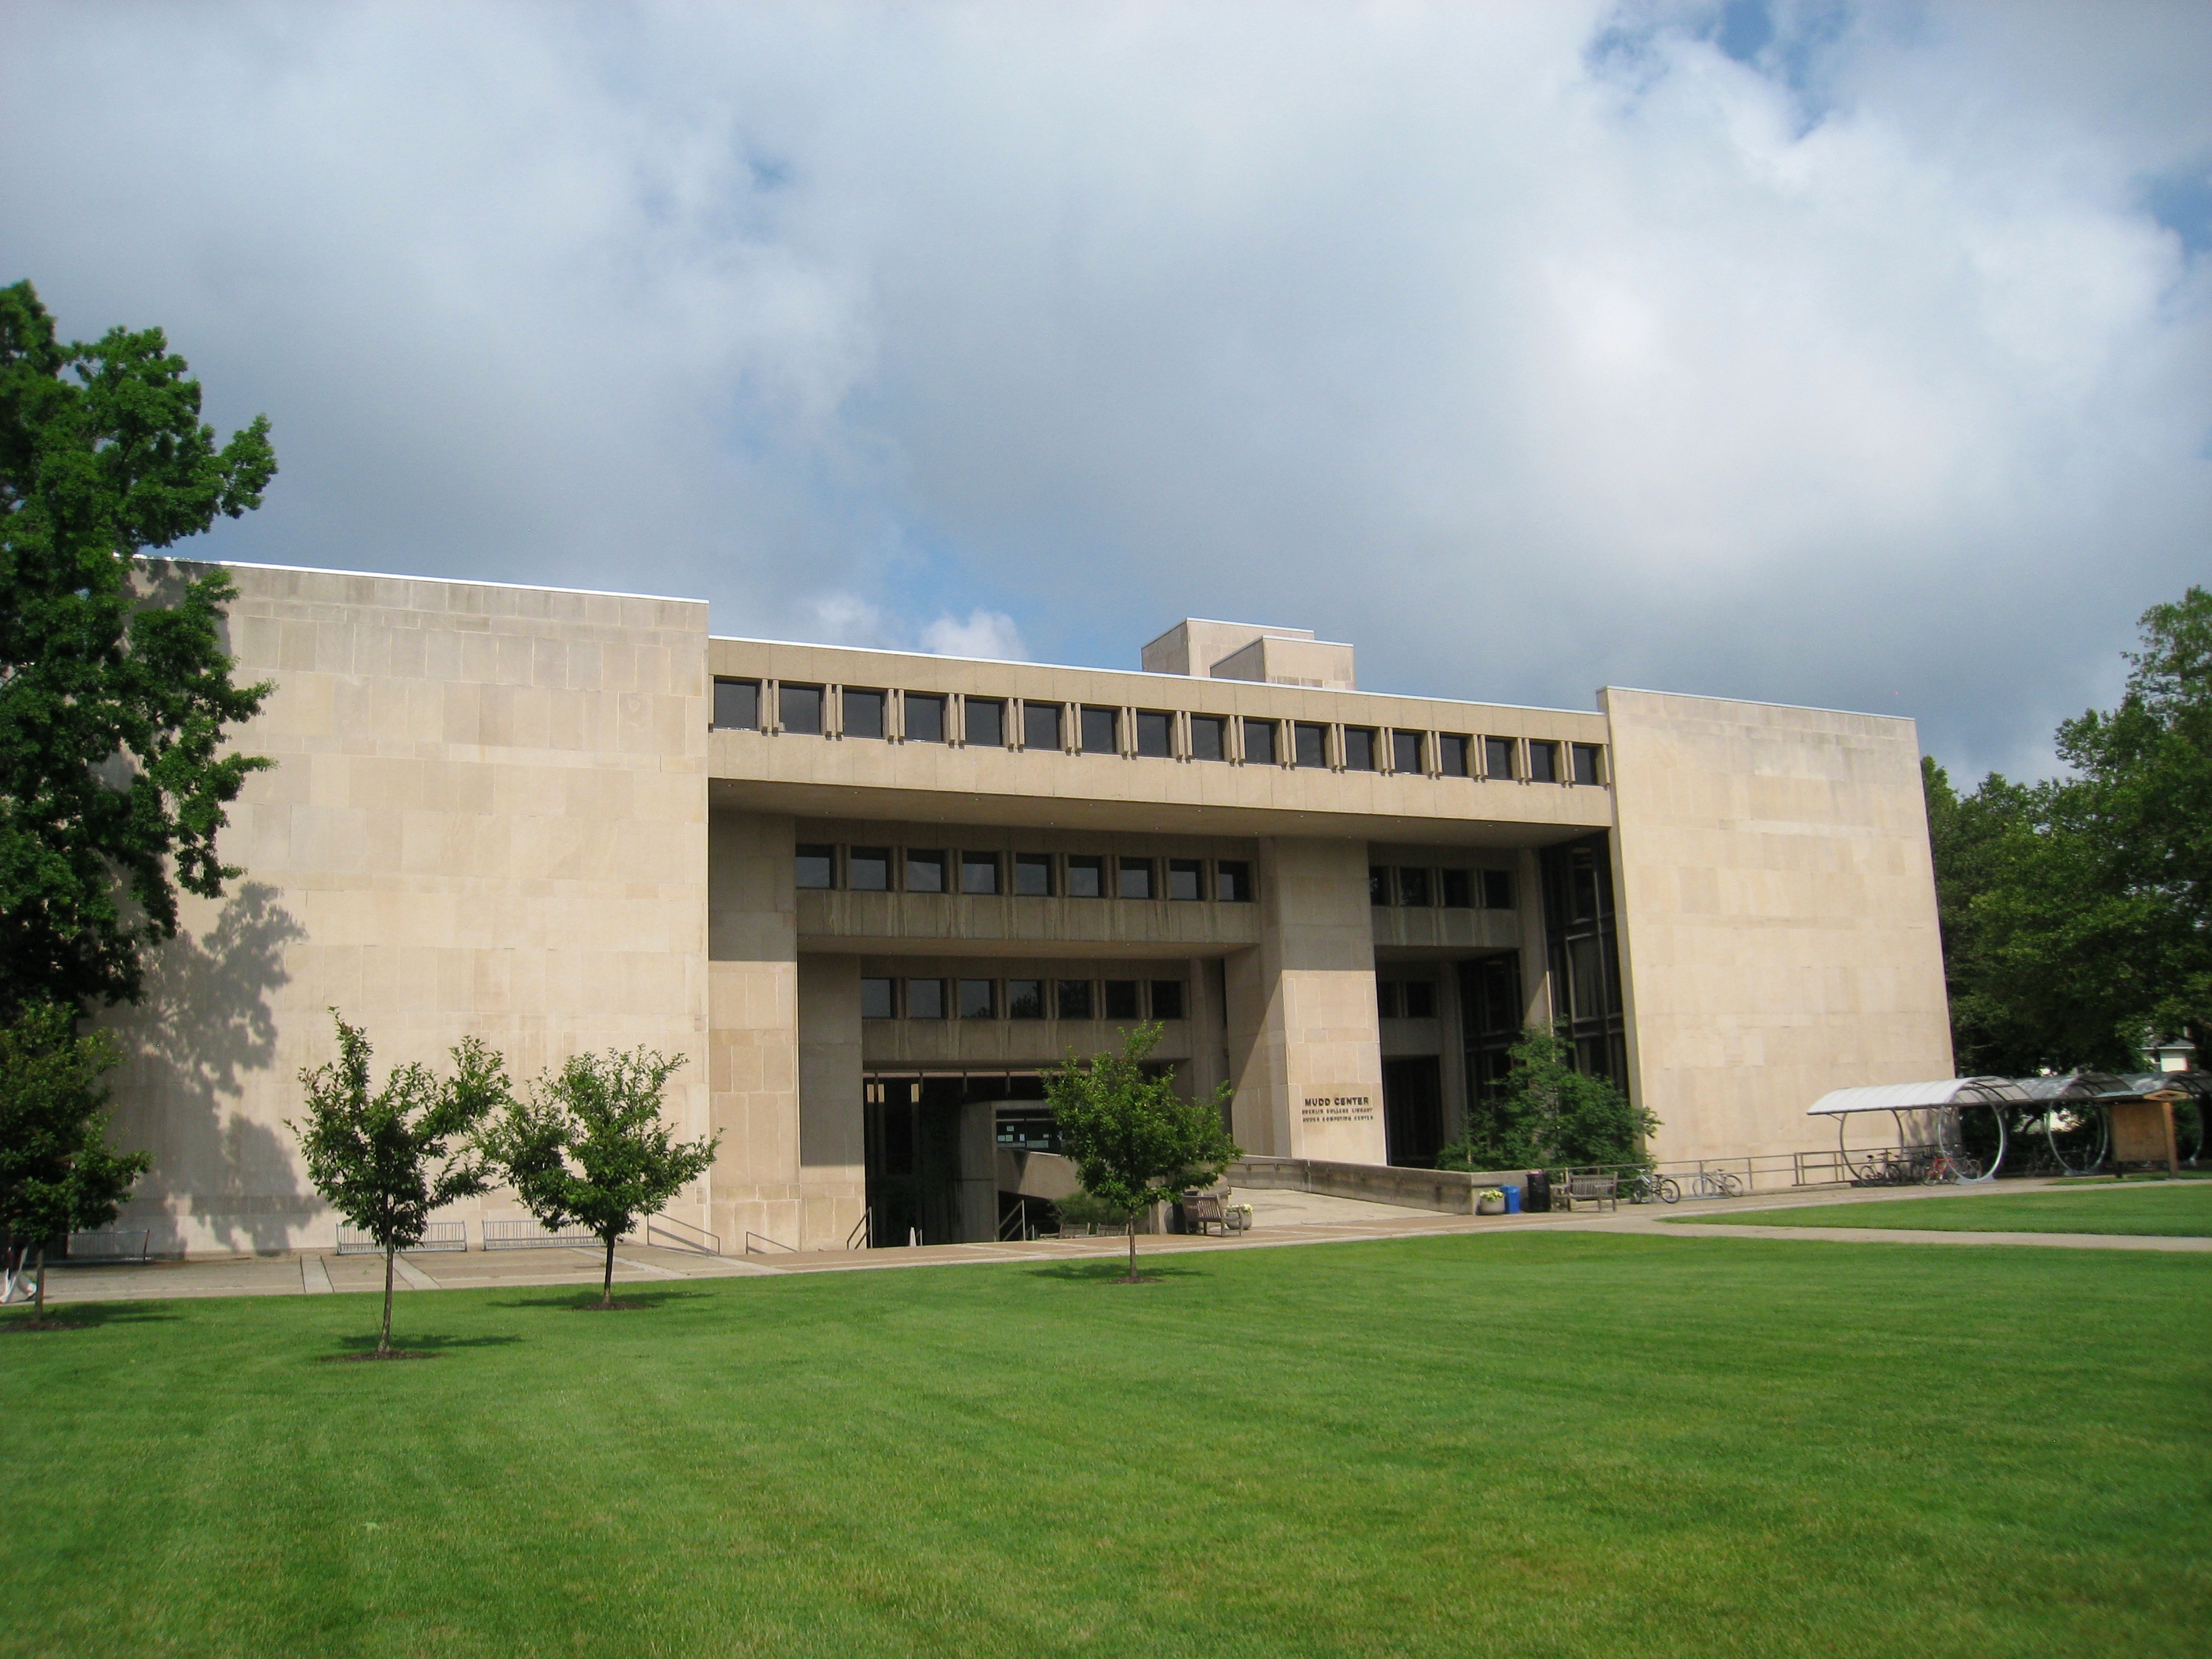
1278 1219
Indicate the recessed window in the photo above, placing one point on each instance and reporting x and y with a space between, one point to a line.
1358 749
1498 757
1167 998
1420 999
1185 878
925 719
1498 889
1406 751
925 872
1041 725
1232 881
875 998
1458 889
1152 734
1413 887
737 705
978 872
1072 999
1378 884
863 714
1585 757
1543 763
800 707
1099 733
1388 1003
1209 735
1025 999
987 723
1451 755
925 999
1135 878
1122 999
1259 743
1087 876
1033 875
816 866
1312 743
868 869
976 1001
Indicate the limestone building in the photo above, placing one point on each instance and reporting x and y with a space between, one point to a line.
869 894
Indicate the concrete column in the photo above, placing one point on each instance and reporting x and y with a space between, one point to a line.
978 1200
1303 1042
753 974
833 1179
1535 959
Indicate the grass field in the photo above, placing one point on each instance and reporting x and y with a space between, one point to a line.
1525 1444
2169 1209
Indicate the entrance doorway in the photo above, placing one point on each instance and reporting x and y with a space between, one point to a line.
1413 1111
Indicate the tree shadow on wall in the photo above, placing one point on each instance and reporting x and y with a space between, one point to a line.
202 1028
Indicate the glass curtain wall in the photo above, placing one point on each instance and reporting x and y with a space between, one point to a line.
1585 956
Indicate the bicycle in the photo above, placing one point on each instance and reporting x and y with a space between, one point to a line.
1716 1183
1649 1187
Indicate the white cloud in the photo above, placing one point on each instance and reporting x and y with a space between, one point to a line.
990 634
1529 347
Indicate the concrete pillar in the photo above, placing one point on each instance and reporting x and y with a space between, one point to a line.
1535 959
752 1044
833 1180
1303 1042
977 1204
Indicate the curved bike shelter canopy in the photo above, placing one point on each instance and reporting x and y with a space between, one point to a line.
2080 1095
1946 1097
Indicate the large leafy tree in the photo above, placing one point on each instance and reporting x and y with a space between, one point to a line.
388 1159
115 698
1134 1140
1545 1114
589 1149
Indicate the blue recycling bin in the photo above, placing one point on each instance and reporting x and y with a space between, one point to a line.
1512 1200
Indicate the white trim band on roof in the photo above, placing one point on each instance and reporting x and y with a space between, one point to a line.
1914 1096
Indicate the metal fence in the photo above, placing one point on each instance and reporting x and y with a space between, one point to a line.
116 1246
529 1236
439 1235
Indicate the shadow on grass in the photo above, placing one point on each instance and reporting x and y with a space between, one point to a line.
86 1315
631 1298
1113 1271
418 1348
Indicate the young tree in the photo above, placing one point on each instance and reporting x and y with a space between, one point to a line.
387 1161
1547 1115
57 1173
1132 1139
589 1148
103 453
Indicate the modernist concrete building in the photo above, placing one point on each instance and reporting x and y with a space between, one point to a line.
869 894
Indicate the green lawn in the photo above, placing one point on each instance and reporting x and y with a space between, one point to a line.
1527 1444
2169 1209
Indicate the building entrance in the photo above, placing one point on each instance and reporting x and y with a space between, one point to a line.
932 1155
1413 1111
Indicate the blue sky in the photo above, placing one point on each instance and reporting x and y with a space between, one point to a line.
1852 355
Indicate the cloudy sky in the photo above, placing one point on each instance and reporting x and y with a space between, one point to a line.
1857 355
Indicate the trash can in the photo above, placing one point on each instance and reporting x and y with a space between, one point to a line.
1513 1201
1537 1200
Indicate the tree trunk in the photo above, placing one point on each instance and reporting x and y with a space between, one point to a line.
1131 1278
384 1336
607 1284
38 1311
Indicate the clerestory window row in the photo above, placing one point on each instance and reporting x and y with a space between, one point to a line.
820 866
1021 998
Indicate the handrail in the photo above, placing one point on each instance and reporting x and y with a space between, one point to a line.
864 1230
751 1237
705 1243
1018 1219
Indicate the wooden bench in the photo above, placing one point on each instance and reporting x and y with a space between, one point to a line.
1202 1214
1603 1191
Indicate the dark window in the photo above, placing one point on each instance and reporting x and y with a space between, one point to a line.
1033 875
1378 884
978 872
1312 745
737 705
1420 999
1585 762
1167 998
800 707
1358 749
925 719
1098 732
1543 763
1413 887
987 722
1387 1002
925 872
1458 889
925 999
1087 876
863 714
1451 755
1406 751
818 867
1259 743
1185 878
1498 889
875 998
1025 999
1073 998
1135 878
868 869
1040 725
1232 882
1498 757
1208 737
1122 999
1152 734
977 1001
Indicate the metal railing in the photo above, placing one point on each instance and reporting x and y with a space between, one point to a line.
863 1236
530 1236
123 1245
438 1236
681 1235
754 1239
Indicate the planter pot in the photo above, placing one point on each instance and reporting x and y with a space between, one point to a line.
1489 1204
